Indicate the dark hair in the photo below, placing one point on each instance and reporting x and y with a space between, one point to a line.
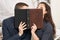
20 4
48 17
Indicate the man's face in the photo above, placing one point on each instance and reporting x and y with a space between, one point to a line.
24 7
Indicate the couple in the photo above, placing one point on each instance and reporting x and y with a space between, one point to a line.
46 33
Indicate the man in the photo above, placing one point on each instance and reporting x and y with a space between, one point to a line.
10 32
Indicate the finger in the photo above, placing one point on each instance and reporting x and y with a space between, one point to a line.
33 24
21 22
24 28
24 25
32 27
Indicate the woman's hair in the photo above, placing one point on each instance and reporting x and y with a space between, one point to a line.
48 17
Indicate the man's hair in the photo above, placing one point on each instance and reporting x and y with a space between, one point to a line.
20 4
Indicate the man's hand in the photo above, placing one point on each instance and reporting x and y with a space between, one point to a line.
22 28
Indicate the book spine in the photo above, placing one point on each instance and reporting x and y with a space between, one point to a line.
28 19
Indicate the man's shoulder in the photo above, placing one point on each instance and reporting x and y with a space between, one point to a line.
8 22
10 19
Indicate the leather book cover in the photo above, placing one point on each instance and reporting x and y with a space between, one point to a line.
36 17
29 16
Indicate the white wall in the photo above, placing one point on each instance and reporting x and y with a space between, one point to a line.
55 4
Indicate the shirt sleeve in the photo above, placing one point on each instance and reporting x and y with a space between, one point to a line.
48 32
6 34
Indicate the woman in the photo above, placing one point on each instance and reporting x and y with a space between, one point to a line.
48 30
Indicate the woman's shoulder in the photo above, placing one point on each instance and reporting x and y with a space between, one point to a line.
48 27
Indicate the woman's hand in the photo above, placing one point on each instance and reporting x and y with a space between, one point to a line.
33 28
22 28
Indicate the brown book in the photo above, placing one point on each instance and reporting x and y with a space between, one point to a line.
36 16
29 16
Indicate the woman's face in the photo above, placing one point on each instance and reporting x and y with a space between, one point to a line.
42 6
